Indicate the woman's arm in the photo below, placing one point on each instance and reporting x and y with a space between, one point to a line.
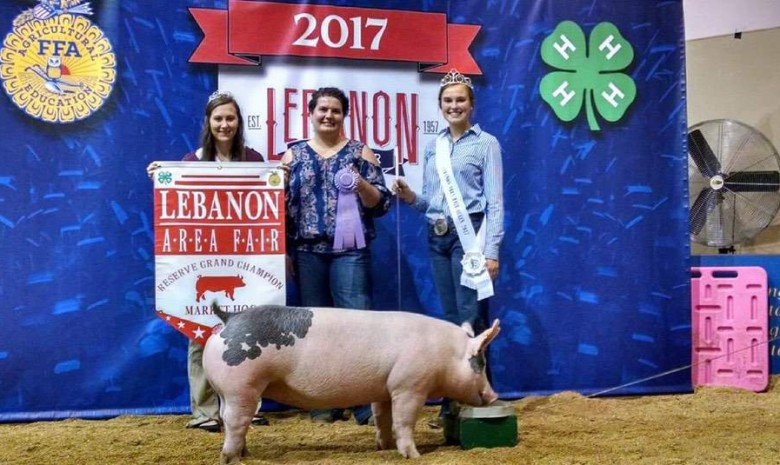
369 194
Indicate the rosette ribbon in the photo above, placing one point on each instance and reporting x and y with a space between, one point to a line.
349 227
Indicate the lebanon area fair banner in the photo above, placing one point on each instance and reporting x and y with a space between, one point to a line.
219 236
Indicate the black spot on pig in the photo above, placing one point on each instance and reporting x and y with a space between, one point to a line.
248 332
477 363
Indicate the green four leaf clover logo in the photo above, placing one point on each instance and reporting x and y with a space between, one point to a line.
588 74
165 177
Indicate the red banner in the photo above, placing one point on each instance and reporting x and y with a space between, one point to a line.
247 30
218 236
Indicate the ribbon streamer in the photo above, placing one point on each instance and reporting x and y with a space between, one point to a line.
349 227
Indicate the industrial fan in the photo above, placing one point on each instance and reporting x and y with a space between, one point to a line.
734 182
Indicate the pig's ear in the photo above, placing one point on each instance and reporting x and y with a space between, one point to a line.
488 335
466 326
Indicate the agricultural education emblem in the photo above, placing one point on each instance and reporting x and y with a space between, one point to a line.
589 73
274 179
55 64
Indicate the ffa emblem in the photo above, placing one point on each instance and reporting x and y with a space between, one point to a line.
55 64
274 179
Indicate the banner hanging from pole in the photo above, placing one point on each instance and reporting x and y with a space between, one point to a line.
218 235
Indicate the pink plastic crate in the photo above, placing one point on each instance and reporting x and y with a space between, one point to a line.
730 319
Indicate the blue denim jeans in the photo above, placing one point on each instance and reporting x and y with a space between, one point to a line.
340 280
459 303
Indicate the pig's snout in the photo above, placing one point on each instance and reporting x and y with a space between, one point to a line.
488 396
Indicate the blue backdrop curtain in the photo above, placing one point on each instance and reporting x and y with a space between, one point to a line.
594 288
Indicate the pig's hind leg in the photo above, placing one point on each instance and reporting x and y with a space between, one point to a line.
383 419
406 407
237 415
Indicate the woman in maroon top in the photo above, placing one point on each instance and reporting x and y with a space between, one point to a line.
222 140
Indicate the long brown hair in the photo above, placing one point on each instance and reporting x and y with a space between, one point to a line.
237 152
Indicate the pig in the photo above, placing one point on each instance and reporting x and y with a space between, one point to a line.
316 358
216 284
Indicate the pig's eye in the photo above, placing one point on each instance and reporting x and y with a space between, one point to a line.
477 363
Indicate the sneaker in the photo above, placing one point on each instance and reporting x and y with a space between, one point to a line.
435 423
366 422
260 420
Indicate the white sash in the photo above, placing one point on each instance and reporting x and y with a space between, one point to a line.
475 274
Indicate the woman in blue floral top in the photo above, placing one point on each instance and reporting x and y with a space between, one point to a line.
335 190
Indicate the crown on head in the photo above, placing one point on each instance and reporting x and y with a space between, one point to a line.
454 77
220 93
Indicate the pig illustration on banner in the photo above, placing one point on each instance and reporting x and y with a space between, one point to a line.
227 284
316 358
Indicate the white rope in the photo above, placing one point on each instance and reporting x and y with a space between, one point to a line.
660 375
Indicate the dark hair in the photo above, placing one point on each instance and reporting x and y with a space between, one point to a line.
207 139
329 92
468 89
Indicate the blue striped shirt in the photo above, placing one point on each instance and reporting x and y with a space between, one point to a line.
476 164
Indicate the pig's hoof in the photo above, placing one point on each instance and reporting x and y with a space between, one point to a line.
229 459
384 445
409 452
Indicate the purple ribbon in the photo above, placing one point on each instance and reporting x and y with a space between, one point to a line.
349 227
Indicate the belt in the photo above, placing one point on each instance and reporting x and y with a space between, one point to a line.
441 226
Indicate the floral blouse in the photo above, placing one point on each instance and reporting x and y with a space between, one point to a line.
312 196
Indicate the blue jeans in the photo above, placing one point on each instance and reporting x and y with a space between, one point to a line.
340 280
459 303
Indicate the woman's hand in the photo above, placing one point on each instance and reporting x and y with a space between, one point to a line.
402 190
151 168
492 268
286 173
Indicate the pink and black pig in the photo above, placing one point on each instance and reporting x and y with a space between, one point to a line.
316 358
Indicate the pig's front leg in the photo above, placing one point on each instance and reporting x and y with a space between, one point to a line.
383 419
406 407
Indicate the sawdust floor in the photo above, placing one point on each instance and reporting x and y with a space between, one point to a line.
711 426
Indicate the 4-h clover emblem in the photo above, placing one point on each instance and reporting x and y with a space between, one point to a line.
165 177
589 73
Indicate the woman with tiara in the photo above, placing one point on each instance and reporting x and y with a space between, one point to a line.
463 202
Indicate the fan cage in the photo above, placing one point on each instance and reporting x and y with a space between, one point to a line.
734 182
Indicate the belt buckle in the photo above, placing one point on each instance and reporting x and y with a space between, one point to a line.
440 227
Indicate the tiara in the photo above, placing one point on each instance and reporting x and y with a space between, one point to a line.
454 77
220 93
